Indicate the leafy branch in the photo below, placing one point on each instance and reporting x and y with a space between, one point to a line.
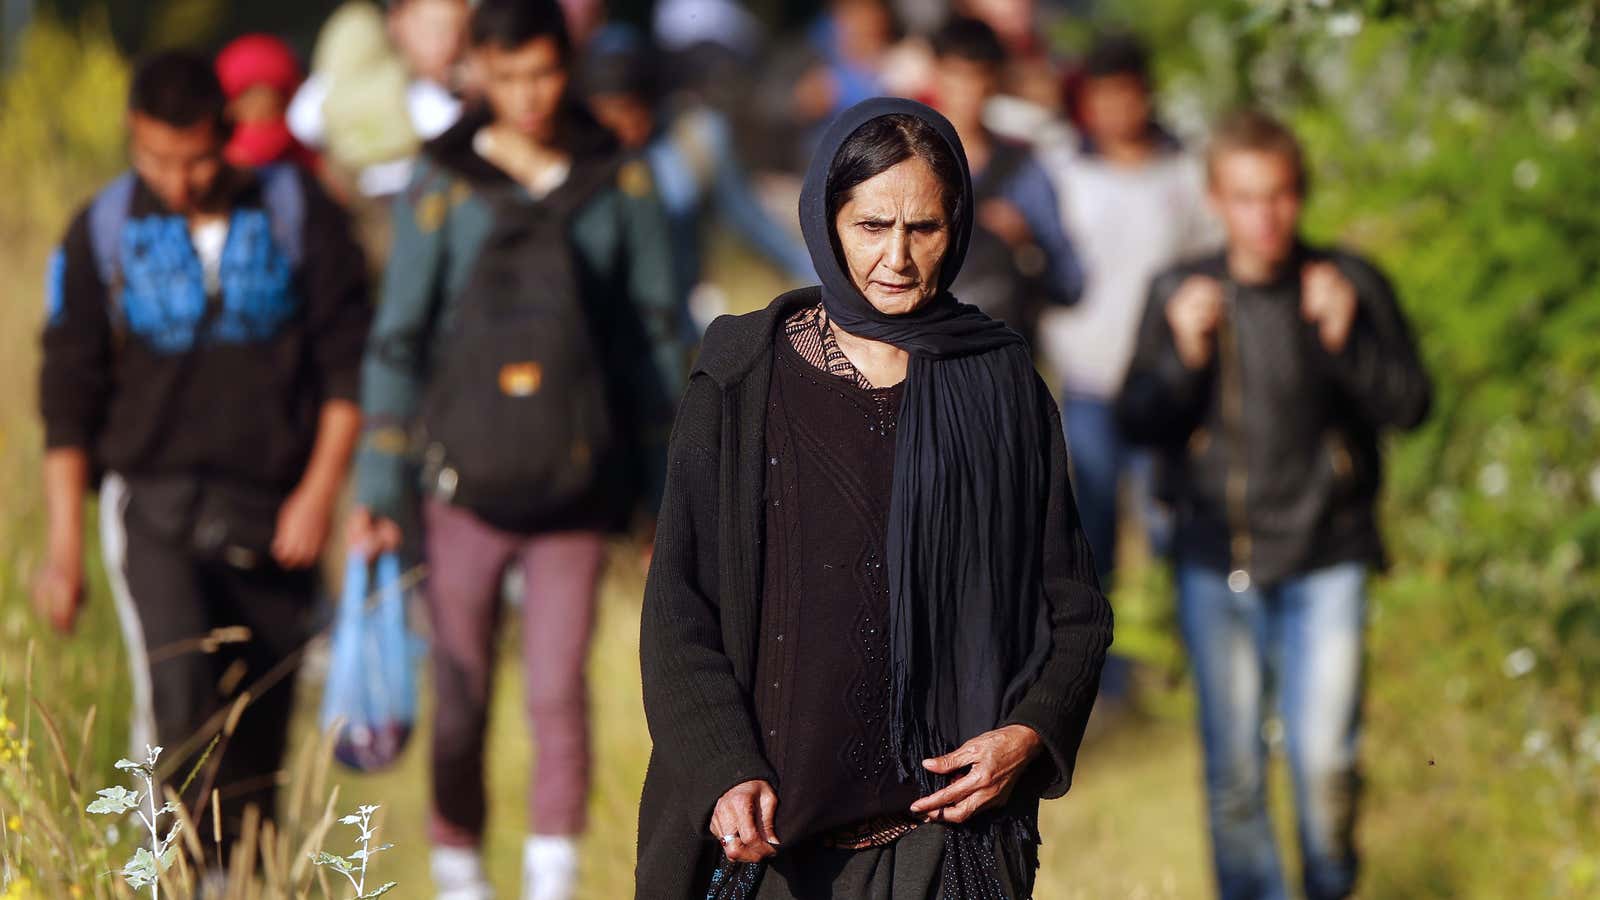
354 867
147 863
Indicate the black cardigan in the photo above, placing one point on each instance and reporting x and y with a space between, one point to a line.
698 632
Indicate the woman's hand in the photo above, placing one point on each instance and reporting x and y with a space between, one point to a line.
993 761
745 813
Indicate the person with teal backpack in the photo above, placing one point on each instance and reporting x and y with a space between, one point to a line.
516 388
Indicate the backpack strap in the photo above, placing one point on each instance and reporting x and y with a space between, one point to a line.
107 214
284 197
282 194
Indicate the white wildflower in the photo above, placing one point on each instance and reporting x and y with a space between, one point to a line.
1519 662
1525 174
1345 24
1493 479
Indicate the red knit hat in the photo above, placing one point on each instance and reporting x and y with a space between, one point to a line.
257 59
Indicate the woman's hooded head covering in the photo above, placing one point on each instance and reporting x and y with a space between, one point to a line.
814 218
968 621
941 327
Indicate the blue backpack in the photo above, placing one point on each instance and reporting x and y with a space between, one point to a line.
281 193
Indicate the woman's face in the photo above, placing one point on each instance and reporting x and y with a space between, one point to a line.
894 233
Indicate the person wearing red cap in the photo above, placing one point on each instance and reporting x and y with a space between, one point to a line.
259 75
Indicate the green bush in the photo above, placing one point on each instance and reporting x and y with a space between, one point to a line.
1454 141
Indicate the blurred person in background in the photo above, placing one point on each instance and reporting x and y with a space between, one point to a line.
202 348
852 40
585 19
689 148
1019 251
1015 23
841 58
1134 203
381 83
1028 106
259 75
1265 375
518 374
685 25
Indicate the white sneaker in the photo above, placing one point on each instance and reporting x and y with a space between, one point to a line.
458 874
550 868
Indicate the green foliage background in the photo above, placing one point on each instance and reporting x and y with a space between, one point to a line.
1454 140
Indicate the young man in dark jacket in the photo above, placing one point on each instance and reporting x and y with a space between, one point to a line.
201 351
522 216
1265 375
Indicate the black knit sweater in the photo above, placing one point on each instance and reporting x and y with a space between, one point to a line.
701 622
822 667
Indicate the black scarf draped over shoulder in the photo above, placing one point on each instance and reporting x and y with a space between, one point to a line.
968 618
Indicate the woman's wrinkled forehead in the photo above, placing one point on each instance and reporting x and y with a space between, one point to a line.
886 143
909 190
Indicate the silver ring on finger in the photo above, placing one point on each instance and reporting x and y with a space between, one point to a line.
729 839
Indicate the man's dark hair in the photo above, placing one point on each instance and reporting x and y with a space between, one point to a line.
1117 54
510 24
630 71
969 39
178 88
879 145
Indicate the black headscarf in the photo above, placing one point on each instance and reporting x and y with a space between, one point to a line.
968 627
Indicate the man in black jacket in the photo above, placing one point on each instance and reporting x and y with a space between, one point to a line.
202 347
1264 374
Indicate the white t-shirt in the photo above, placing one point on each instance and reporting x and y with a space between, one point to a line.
209 239
1127 224
432 107
547 180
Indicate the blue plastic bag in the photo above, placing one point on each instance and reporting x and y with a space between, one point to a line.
372 676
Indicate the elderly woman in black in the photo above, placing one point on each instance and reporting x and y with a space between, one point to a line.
872 633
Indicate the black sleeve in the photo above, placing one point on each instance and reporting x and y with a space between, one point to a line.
1162 400
1378 369
75 372
699 717
1057 707
339 304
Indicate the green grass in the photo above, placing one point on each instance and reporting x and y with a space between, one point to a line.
1087 850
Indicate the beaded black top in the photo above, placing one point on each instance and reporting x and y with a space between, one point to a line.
822 673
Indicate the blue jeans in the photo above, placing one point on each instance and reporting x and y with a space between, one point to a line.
1101 461
1303 639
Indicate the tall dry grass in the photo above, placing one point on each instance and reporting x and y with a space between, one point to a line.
50 847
